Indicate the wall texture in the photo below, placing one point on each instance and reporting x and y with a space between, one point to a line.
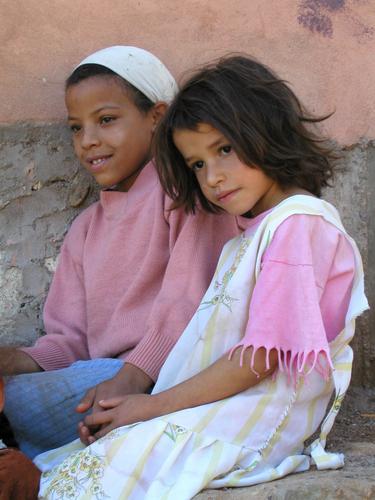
325 48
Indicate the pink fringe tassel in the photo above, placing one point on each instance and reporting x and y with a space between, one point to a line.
290 362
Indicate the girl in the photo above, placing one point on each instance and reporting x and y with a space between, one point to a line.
131 272
250 379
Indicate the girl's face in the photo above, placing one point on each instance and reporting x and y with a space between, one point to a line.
111 137
224 180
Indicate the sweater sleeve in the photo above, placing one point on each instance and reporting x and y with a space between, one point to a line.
195 243
64 311
301 296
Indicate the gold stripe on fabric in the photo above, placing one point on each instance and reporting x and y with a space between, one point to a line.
210 415
255 415
328 389
277 435
344 367
280 213
198 440
231 246
310 418
274 475
302 208
209 335
138 469
212 464
115 446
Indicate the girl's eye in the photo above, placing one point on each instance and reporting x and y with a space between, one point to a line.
225 150
197 165
107 119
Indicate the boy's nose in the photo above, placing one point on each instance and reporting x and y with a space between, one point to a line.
89 138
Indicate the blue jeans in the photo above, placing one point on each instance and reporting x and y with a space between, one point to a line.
41 406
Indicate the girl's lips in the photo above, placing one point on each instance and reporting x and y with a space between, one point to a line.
226 195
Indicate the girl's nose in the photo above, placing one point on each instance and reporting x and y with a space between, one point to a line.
214 174
89 137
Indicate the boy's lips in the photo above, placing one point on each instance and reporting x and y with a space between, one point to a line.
98 161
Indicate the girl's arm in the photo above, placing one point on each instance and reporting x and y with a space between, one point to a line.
222 379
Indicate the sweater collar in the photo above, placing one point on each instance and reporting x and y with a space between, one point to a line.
114 203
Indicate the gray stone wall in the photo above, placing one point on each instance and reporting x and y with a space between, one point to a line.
353 195
42 188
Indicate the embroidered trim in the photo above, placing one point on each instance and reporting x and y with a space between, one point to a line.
222 297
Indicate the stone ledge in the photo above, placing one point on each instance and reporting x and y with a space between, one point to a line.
355 481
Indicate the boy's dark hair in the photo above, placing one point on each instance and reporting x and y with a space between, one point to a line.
261 118
143 103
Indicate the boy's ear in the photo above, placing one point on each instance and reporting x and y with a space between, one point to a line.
157 112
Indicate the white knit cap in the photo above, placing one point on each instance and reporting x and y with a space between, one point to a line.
140 68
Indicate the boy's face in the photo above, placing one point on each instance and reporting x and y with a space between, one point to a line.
111 137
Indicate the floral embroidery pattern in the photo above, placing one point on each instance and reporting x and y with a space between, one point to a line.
331 415
222 297
72 476
174 431
338 401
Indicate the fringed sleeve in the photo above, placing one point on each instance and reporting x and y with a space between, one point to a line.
301 296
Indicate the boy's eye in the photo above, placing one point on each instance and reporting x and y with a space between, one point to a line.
75 128
225 150
107 119
197 165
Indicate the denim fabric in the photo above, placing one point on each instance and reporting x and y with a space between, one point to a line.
41 406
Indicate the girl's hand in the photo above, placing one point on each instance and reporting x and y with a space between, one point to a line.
119 411
129 380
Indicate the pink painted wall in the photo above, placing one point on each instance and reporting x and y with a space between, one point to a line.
326 48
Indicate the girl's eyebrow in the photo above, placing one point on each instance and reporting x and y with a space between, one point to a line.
213 145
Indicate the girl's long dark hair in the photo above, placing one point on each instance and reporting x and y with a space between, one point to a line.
259 115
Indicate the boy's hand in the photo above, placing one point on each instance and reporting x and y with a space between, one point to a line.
14 362
120 411
129 380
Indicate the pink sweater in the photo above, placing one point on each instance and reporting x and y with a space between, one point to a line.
130 276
